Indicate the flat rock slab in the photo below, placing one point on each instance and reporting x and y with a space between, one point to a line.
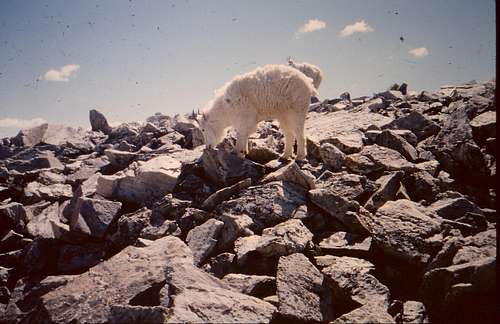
405 230
299 286
342 243
367 313
253 285
378 158
203 238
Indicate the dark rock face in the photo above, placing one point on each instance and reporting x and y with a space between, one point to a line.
391 218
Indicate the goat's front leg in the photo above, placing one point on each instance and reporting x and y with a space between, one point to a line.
242 134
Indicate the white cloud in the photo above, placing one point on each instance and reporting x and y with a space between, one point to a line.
419 52
21 123
310 26
358 27
62 74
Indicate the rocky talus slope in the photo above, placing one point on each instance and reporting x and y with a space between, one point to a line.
392 219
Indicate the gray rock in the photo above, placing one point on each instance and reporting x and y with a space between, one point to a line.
405 230
47 224
345 263
392 140
354 285
420 125
414 312
137 314
203 239
476 247
292 173
368 313
331 156
78 258
35 192
220 265
266 205
31 136
262 150
253 285
422 186
392 95
225 169
484 126
431 167
98 122
41 161
377 158
13 216
454 207
234 227
299 289
347 185
389 186
346 244
120 159
94 216
348 143
225 193
143 182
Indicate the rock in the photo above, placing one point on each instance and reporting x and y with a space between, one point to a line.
220 265
367 313
94 216
346 244
12 216
203 238
285 238
344 262
75 259
267 205
347 185
323 127
331 156
262 150
422 186
377 158
420 125
41 161
414 312
392 95
35 192
47 224
375 104
120 159
457 293
31 136
348 143
13 241
405 231
299 290
341 209
234 227
253 285
484 126
353 285
292 173
98 122
456 151
389 186
225 193
431 167
454 207
147 181
246 247
225 169
393 141
476 247
137 314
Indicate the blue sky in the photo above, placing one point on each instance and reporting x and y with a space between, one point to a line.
130 59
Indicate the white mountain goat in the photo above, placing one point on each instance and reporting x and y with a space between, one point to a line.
309 70
269 92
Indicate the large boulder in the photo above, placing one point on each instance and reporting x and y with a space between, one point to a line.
203 239
94 216
143 182
98 122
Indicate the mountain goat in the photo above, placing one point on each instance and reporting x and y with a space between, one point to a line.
312 71
269 92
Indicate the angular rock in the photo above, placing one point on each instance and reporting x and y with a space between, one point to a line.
393 141
454 207
12 216
484 126
220 265
476 247
31 136
234 227
292 173
225 193
41 161
346 244
377 158
354 285
331 156
389 186
299 290
120 159
94 216
35 192
98 122
347 185
285 238
404 230
414 312
422 186
348 143
47 224
224 168
262 150
137 314
149 180
253 285
420 125
367 313
266 205
203 238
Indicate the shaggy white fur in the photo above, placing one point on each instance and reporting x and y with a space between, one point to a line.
309 70
269 92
